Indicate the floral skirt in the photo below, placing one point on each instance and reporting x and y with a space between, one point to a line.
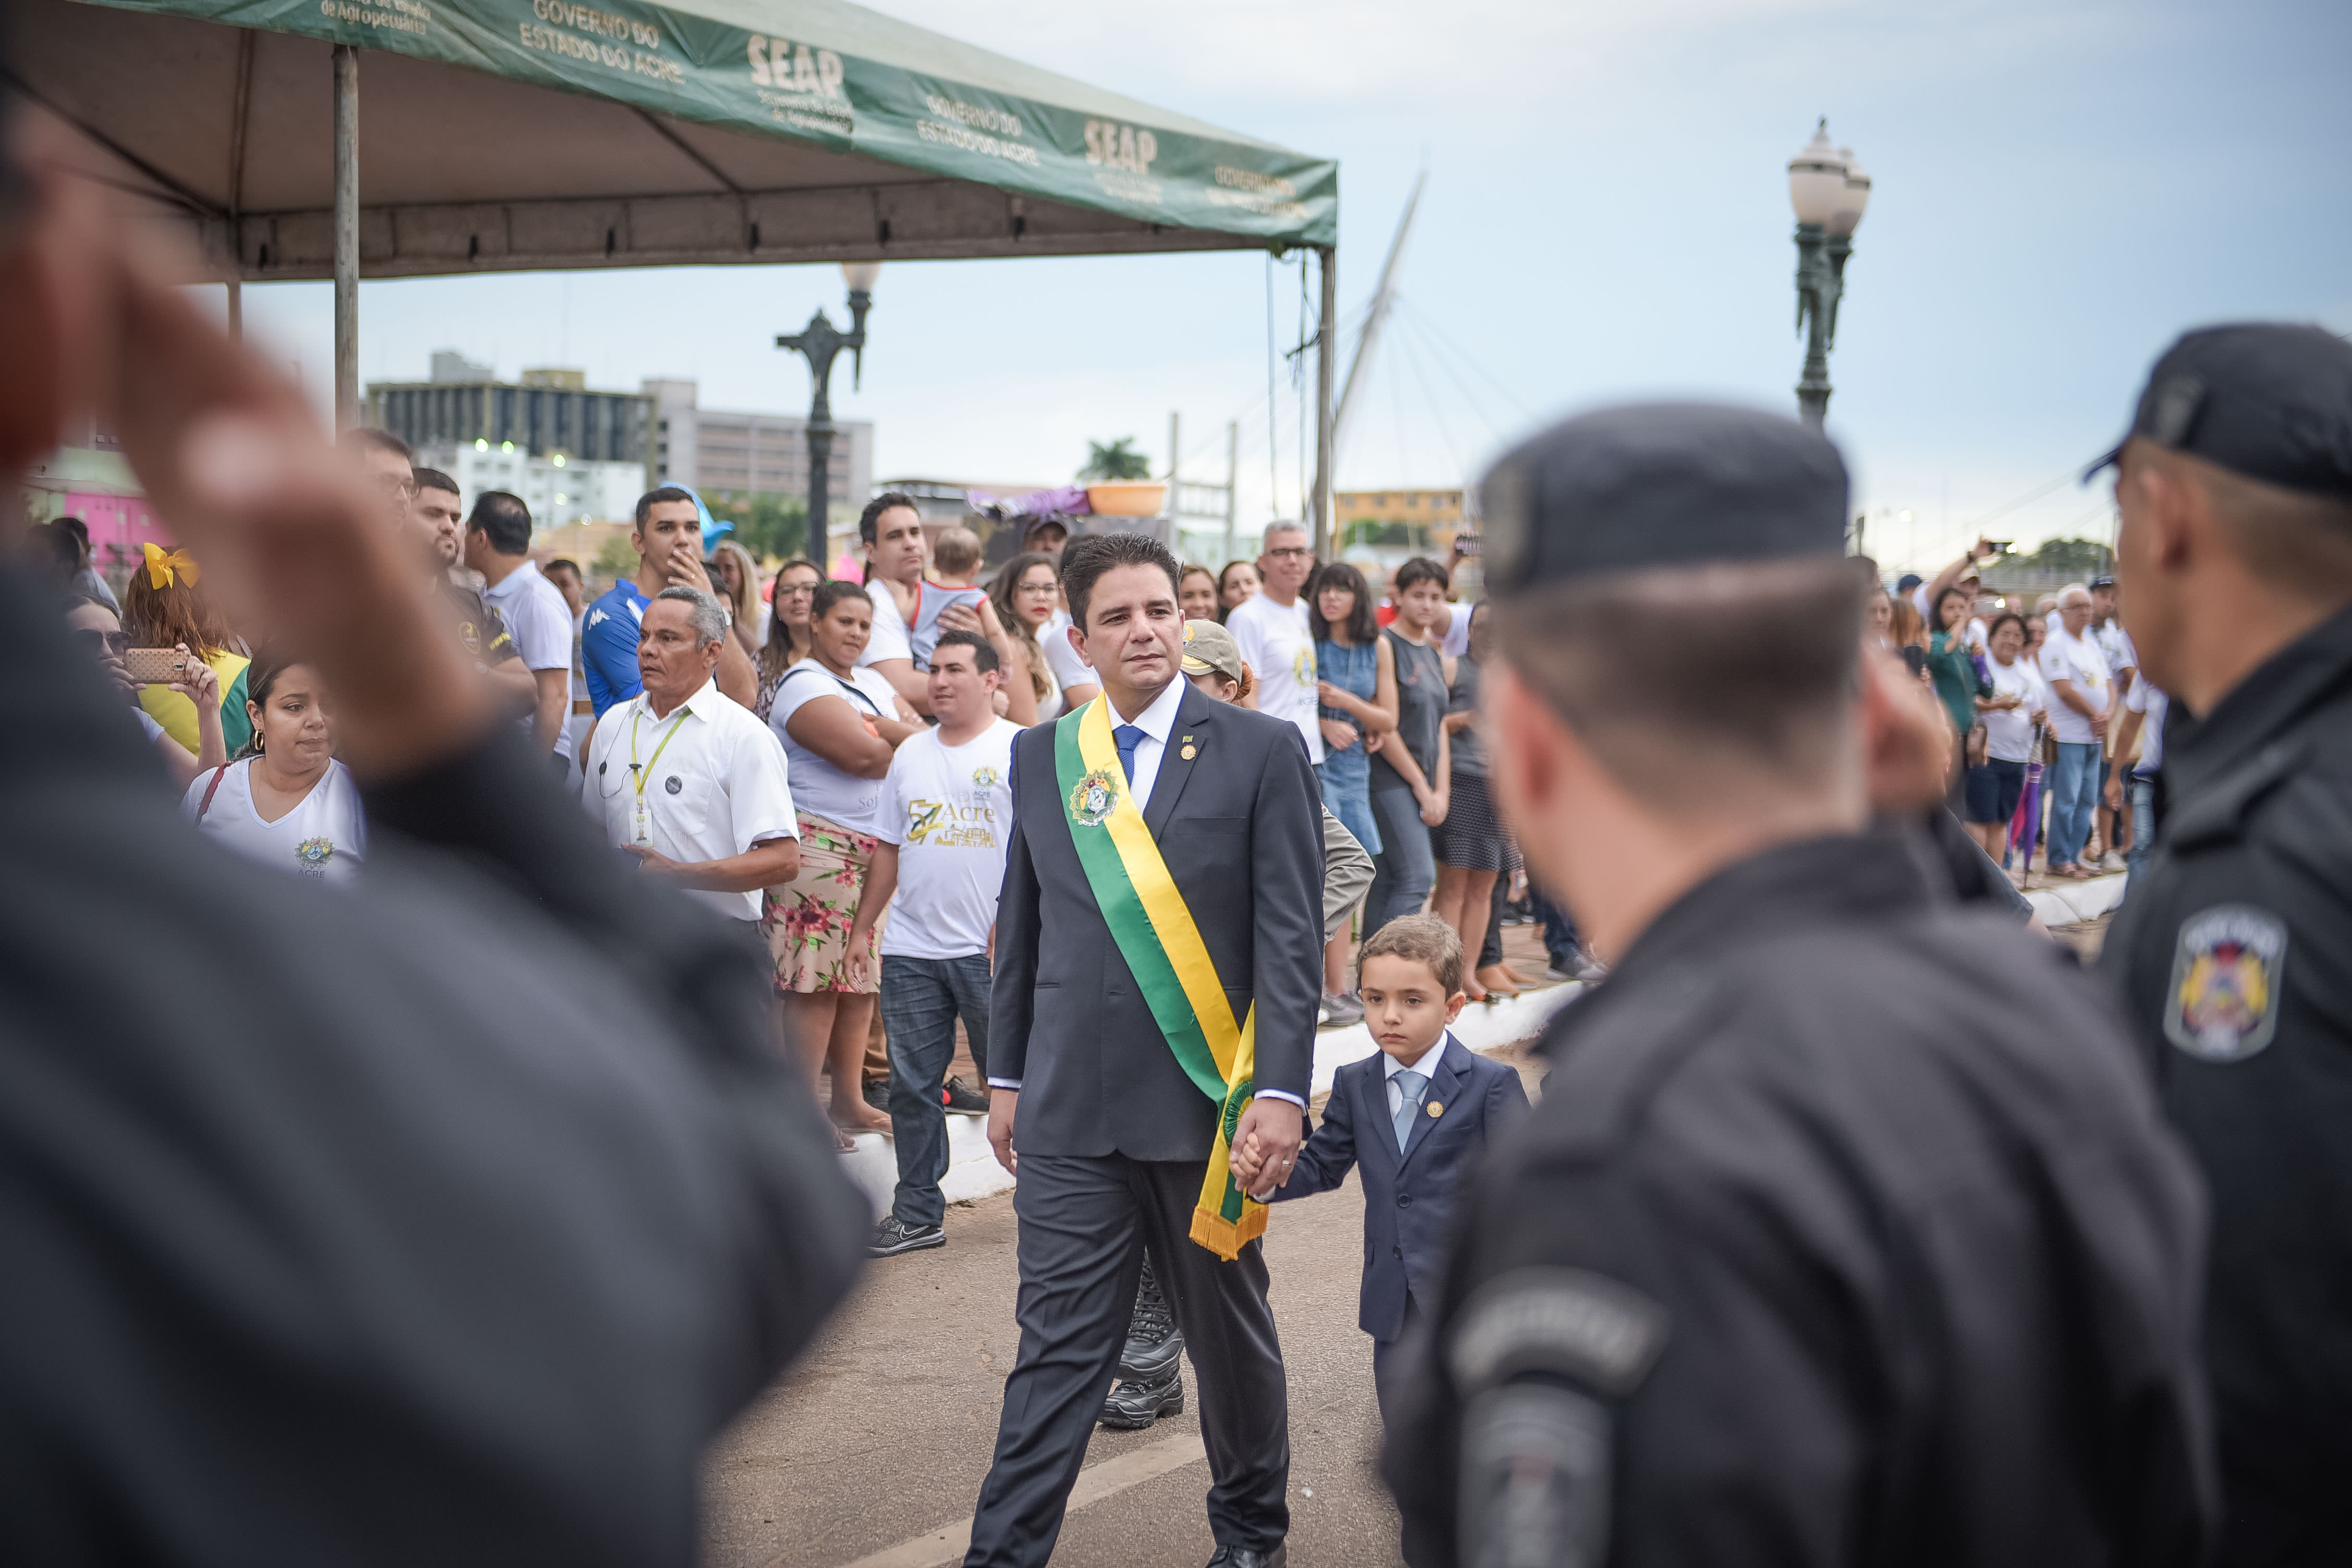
807 920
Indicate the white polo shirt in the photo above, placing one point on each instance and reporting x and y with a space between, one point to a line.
715 785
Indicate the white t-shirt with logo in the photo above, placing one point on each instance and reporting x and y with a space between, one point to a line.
1277 645
2078 660
818 787
325 837
2008 733
950 810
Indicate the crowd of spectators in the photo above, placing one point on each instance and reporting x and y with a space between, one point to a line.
825 762
2048 758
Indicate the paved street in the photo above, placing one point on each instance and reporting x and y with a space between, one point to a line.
878 1438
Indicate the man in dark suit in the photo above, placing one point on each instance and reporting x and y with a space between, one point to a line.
1415 1118
1113 1137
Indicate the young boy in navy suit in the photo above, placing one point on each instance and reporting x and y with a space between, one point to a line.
1414 1118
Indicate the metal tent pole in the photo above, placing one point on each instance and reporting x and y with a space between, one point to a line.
1326 366
1232 486
347 236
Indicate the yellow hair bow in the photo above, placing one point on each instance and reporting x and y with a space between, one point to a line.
164 566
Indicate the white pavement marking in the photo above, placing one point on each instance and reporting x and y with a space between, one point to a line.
1094 1483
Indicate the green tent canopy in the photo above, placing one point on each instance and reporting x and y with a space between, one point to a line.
499 135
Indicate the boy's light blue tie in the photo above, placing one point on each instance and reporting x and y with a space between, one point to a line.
1408 1087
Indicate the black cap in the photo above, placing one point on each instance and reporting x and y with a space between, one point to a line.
1666 484
2273 402
2102 581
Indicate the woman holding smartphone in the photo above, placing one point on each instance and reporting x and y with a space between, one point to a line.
164 609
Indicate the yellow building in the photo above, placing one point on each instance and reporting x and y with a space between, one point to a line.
1398 522
1436 508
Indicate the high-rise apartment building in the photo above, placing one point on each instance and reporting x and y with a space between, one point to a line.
723 453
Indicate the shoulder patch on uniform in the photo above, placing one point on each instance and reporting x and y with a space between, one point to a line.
1595 1329
2223 1002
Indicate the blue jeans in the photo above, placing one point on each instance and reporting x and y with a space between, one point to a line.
1561 941
921 999
1405 869
2074 799
2143 804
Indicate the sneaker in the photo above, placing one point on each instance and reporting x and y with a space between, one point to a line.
892 1237
1343 1009
1583 967
965 1098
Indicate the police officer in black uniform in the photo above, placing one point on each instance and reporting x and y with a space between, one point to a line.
1848 1229
2234 951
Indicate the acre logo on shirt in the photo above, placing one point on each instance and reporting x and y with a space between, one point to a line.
951 824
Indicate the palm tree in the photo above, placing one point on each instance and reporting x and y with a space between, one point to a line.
1115 460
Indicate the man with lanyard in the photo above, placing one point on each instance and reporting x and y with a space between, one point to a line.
2233 954
1159 959
686 781
667 537
1808 1253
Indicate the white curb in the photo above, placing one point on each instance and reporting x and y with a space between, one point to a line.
2066 903
973 1172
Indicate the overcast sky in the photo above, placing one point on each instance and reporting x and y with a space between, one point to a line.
2059 189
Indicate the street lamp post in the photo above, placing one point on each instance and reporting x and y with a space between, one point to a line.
1828 191
819 342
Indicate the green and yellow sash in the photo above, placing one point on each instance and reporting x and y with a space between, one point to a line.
1164 951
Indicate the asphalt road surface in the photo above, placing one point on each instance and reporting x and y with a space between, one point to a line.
870 1451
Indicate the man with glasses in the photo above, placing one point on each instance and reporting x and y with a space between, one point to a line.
1271 628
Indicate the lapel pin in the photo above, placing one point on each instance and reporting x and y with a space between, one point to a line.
1187 753
1436 1108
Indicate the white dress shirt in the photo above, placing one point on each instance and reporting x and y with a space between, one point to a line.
1157 722
1425 1065
730 782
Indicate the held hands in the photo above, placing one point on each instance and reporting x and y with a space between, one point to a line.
2114 793
1265 1145
1433 807
1338 734
861 959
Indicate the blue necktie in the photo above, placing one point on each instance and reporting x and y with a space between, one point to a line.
1408 1087
1128 737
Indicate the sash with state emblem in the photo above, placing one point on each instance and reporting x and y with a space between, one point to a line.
1162 946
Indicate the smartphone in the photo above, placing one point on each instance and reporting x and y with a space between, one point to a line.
1914 658
156 665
